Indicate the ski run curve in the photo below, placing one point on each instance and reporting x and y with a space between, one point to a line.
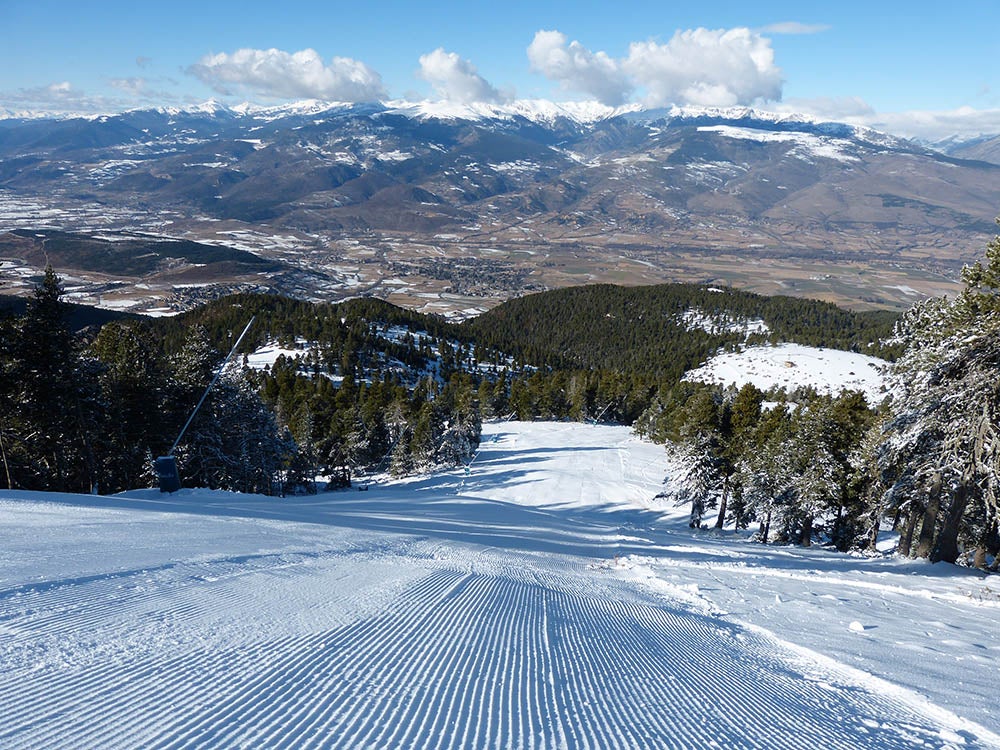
533 603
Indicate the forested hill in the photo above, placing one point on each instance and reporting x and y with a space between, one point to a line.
655 331
340 325
663 330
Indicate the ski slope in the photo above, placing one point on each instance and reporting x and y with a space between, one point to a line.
537 602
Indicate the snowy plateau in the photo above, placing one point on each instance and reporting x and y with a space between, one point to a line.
540 600
792 366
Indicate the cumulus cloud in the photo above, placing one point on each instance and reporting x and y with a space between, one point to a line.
455 78
923 125
795 27
707 67
283 75
576 68
139 88
698 66
61 92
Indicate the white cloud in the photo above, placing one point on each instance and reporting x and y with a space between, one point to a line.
456 79
794 27
140 88
576 68
283 75
59 97
135 86
699 66
827 107
57 91
924 125
707 67
964 122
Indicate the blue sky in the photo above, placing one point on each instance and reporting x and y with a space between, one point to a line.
892 64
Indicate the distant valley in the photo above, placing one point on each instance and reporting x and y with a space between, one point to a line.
455 210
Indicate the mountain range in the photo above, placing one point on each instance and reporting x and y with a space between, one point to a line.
454 208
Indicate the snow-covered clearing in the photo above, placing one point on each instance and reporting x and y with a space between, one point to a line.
538 601
267 355
795 365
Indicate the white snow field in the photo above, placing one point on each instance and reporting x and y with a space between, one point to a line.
795 365
537 602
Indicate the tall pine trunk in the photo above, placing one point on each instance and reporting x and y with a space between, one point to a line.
872 544
721 520
946 549
765 528
906 535
925 541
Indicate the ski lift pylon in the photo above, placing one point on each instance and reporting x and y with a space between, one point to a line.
166 466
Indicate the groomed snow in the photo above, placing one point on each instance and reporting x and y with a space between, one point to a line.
793 366
537 601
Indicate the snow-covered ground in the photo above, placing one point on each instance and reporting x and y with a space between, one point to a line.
695 318
538 601
795 365
805 144
267 355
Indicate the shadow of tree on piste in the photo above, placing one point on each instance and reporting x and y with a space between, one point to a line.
449 505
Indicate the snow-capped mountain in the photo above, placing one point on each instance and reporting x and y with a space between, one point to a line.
471 200
982 147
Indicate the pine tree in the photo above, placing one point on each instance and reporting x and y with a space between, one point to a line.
815 482
133 385
738 420
7 400
57 413
698 448
425 438
765 468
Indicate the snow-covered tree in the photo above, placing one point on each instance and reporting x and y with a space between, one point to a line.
234 441
699 481
816 481
941 450
867 488
696 447
765 469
